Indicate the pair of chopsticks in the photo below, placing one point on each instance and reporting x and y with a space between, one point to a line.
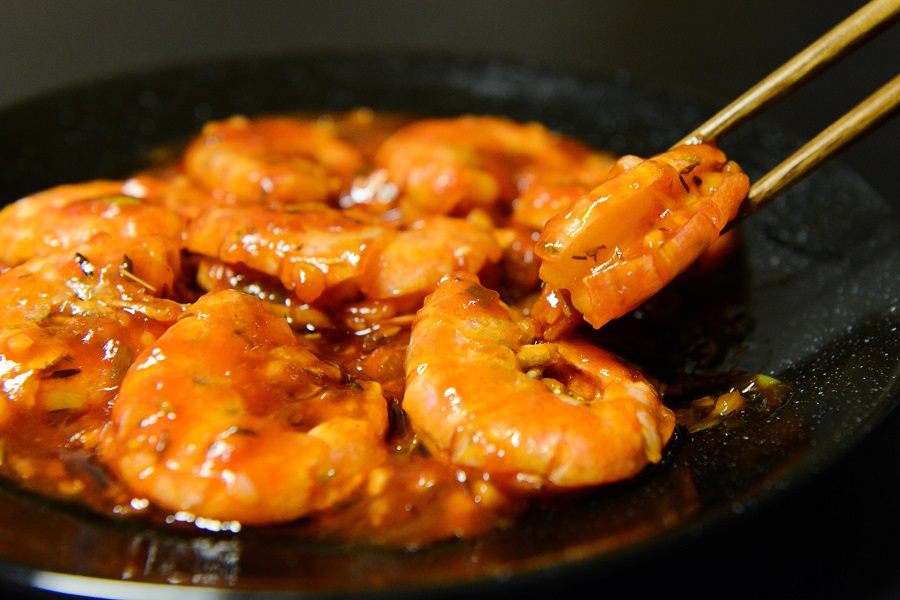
847 35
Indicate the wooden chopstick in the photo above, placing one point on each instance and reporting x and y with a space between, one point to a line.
852 31
848 128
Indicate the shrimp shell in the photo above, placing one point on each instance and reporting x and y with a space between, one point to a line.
68 215
322 253
309 251
416 259
74 319
228 417
271 160
630 236
452 165
481 394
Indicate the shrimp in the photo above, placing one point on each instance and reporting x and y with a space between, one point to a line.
318 249
214 275
449 166
308 250
482 394
519 267
416 258
621 243
68 215
229 417
547 190
272 161
72 323
173 191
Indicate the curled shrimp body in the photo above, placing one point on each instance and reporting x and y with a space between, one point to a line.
309 250
173 191
482 394
449 166
322 249
416 258
271 160
68 215
215 275
621 243
72 323
545 191
259 430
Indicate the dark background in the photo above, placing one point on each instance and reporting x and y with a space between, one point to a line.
835 537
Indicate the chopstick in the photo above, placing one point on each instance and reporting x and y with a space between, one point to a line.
826 144
850 33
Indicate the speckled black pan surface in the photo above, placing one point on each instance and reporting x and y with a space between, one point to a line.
819 280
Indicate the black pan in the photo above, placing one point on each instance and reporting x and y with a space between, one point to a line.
815 290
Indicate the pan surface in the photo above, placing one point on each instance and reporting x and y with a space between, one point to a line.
815 291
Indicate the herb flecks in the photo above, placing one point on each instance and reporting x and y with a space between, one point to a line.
127 270
85 264
63 373
591 253
686 171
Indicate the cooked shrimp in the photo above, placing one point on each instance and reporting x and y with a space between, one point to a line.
547 190
257 429
174 191
272 160
553 314
214 275
519 267
632 234
449 166
73 321
308 250
415 259
318 249
482 394
68 215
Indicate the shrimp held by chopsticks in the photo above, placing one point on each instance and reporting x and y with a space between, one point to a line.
630 236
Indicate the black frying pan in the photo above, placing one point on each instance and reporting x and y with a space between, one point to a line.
816 287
